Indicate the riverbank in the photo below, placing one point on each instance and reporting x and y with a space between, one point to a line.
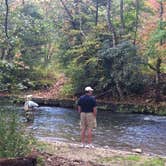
114 106
67 154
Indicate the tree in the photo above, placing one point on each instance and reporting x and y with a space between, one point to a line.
97 14
24 44
122 66
136 20
6 19
9 46
122 16
71 18
110 25
157 67
156 45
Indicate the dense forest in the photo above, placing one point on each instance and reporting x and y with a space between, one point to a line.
116 46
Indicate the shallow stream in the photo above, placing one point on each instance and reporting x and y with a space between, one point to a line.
115 130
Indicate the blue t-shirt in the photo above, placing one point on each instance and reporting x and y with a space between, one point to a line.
87 103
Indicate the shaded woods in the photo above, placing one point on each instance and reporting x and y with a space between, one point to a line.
117 47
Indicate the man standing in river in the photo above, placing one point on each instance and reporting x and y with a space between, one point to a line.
88 111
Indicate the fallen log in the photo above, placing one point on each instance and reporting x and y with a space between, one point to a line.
22 161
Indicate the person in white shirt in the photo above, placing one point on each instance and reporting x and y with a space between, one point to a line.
29 108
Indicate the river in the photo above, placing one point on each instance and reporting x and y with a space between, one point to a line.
114 130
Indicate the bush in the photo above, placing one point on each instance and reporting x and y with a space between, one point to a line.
164 90
13 141
67 90
136 88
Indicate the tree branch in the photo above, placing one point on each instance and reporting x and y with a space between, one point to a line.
69 14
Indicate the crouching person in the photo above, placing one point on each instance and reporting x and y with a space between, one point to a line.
29 108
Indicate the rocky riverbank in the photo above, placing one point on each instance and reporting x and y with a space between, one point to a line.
66 154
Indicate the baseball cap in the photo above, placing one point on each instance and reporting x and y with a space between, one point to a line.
29 96
88 88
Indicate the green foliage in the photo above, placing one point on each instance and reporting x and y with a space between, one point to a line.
123 65
40 161
153 44
13 141
34 34
155 47
14 77
30 37
11 76
67 90
31 10
82 64
42 36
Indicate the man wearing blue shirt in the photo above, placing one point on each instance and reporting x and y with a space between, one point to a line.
88 111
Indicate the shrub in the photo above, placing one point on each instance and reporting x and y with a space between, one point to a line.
164 90
136 88
13 141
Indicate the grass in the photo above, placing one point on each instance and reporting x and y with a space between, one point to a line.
133 160
155 162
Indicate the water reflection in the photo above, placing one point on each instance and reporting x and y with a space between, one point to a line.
120 131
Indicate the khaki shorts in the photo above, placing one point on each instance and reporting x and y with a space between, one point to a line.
88 120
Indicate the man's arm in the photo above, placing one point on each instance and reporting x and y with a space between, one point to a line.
94 107
94 111
79 109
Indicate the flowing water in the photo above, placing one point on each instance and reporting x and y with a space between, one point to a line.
115 130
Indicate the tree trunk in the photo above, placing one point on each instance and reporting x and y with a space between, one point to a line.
2 53
110 25
122 16
76 8
159 61
97 10
136 21
119 90
157 90
78 18
7 56
161 17
6 19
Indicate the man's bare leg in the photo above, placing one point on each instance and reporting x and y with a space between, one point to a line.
83 135
89 136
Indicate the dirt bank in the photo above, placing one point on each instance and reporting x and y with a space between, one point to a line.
66 154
